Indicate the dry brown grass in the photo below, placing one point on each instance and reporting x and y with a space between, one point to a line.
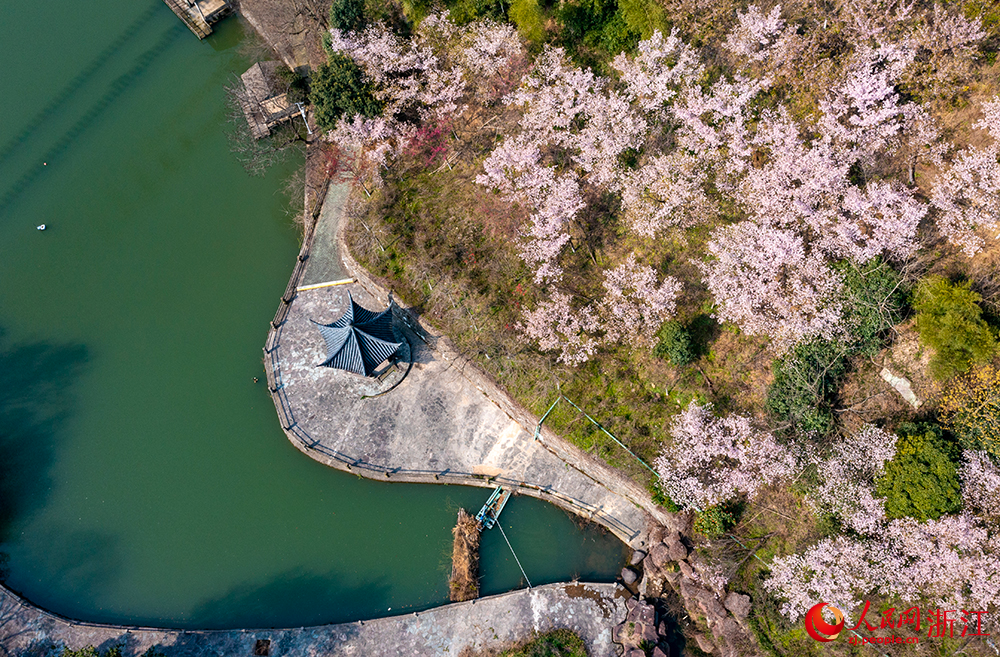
464 581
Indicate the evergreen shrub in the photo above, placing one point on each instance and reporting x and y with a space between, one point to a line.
921 481
675 344
339 87
949 320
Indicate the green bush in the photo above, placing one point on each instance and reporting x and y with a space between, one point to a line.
805 384
527 15
583 18
339 87
674 344
296 86
644 17
807 378
347 14
874 300
714 521
921 480
662 499
557 643
618 36
466 11
949 320
91 651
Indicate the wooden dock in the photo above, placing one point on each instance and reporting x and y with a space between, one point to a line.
199 15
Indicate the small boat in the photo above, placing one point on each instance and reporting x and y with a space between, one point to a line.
490 512
41 227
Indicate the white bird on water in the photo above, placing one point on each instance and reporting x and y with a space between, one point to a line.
41 227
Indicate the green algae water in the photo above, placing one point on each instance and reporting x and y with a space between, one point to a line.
143 475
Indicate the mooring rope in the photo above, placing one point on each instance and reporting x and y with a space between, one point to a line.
515 555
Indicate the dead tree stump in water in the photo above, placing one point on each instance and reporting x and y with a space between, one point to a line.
464 582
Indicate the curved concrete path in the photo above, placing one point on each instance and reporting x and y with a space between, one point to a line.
588 609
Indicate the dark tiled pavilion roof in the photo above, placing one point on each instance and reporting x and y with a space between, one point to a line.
360 340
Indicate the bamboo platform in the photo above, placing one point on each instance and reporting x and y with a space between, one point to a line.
199 15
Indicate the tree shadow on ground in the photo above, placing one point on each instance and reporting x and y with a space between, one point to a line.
36 381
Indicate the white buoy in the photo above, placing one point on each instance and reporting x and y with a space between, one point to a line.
41 227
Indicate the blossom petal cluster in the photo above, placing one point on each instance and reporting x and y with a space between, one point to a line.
714 459
952 562
847 478
967 194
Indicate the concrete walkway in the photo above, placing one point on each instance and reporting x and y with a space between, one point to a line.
590 610
444 423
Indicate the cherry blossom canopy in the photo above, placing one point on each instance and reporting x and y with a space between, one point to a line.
360 340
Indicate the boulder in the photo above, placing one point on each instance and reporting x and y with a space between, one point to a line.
629 576
660 652
637 557
704 643
656 534
648 566
739 604
653 586
662 628
675 547
631 603
673 577
634 652
686 569
642 612
660 555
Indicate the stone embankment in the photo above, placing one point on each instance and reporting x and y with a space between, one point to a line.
485 624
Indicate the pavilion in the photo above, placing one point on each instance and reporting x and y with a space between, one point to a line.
360 340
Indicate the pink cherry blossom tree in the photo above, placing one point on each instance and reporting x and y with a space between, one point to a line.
967 194
807 186
847 477
555 324
668 190
980 484
635 304
952 562
755 33
945 33
662 66
712 459
430 76
863 114
766 281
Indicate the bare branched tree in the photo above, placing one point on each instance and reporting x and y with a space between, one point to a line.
256 155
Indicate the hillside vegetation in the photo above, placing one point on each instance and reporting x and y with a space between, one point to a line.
711 226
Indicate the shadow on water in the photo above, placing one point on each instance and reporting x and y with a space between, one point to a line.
35 399
114 91
83 77
289 600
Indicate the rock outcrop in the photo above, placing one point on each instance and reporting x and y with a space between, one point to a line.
669 566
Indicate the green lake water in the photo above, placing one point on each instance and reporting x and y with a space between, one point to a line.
143 475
